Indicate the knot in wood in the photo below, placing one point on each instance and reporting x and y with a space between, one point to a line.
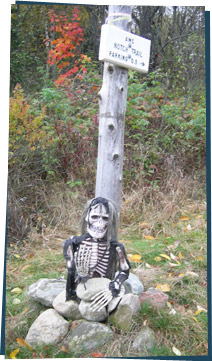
110 68
111 127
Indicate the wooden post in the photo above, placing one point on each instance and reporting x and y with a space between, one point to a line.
112 108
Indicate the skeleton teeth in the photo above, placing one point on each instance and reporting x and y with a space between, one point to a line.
97 229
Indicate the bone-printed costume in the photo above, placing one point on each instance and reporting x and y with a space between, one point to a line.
93 254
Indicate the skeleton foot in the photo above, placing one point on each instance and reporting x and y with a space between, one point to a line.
101 299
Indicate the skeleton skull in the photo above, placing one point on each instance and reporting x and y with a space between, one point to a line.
97 221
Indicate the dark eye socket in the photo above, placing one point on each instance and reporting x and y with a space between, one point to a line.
94 217
105 218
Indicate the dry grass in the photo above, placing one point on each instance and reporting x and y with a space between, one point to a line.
160 210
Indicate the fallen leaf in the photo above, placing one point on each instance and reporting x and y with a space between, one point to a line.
16 301
149 237
172 256
135 258
197 312
199 258
16 255
176 351
180 255
16 290
199 216
165 256
157 259
22 342
169 305
31 255
148 265
143 225
97 354
64 349
25 267
145 323
184 218
14 353
200 308
173 264
181 275
190 273
195 319
163 288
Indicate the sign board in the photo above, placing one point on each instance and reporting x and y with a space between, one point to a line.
124 49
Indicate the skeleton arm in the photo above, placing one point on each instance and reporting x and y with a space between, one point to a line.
124 268
68 253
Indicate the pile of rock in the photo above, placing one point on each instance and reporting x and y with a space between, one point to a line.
89 331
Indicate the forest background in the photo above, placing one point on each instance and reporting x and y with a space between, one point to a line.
55 77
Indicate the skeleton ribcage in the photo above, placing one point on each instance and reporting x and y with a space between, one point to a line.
99 256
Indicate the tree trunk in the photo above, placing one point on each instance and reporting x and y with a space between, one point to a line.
112 103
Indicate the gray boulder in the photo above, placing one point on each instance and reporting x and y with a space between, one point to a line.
49 328
145 340
45 290
88 290
87 336
126 312
94 285
66 308
88 314
133 285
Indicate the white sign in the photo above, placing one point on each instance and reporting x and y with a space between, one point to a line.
124 49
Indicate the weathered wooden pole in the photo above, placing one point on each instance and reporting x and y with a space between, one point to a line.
112 108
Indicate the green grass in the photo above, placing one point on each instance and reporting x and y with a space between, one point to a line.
186 329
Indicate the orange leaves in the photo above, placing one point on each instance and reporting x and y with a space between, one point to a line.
97 354
68 36
185 218
149 237
22 342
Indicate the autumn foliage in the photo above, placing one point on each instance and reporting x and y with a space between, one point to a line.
67 36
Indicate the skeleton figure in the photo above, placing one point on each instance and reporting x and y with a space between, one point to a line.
96 252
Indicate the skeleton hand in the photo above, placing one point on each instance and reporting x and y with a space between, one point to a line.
101 299
82 260
115 287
